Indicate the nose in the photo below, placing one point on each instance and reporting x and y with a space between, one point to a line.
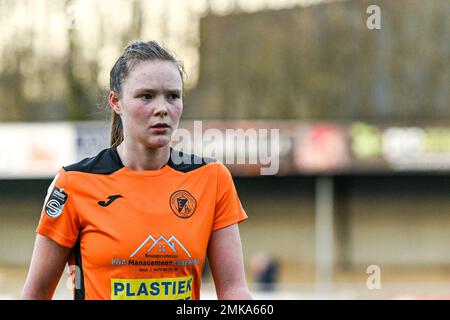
161 108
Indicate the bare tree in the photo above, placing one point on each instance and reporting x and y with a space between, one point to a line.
134 30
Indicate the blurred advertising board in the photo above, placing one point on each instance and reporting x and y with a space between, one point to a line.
399 148
247 148
91 137
321 148
35 150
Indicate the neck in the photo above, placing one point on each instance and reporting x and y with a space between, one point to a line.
139 157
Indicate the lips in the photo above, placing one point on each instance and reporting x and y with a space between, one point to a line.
160 125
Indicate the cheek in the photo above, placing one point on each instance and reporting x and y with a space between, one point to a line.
176 110
139 112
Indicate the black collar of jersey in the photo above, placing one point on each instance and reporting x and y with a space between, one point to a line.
108 161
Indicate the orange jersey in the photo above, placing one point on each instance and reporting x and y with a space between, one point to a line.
138 234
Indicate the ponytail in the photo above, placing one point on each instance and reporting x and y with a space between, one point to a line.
116 136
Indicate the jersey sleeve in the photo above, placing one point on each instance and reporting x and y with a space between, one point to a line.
58 217
229 209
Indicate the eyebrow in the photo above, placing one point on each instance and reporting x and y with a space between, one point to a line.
150 90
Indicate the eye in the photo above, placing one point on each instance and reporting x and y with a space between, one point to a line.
146 96
174 96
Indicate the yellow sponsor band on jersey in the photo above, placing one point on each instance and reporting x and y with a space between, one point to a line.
179 288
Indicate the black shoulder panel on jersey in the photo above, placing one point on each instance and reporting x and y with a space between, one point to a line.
106 162
185 162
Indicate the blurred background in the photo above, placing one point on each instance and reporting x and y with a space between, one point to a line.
363 190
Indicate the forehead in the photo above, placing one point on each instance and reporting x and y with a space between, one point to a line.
155 74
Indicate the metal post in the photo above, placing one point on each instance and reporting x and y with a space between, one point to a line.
324 233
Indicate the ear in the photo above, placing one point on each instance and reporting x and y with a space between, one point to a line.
114 102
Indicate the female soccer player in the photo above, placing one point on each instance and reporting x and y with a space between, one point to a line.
138 220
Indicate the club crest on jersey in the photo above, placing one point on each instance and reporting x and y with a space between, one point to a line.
183 204
55 203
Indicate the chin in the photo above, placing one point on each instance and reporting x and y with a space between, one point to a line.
158 142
